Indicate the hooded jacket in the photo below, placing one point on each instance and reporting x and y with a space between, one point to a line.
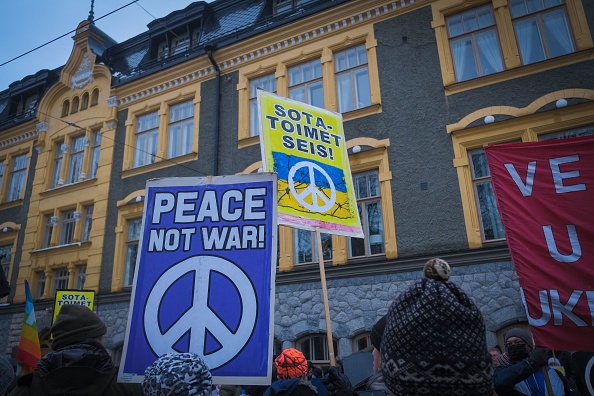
291 387
84 368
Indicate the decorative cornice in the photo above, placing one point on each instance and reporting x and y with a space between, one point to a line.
376 13
17 139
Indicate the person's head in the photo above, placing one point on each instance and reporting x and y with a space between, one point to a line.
310 369
494 352
317 372
178 374
6 374
76 323
518 344
291 364
434 341
377 332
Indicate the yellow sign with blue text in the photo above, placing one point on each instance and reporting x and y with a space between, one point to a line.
78 297
305 146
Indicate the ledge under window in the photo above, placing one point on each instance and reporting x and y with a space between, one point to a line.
165 163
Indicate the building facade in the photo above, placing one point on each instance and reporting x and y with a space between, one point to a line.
422 86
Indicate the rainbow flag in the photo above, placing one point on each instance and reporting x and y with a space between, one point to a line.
29 352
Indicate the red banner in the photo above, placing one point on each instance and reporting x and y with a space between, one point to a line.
545 195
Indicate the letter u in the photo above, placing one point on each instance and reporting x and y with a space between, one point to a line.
576 249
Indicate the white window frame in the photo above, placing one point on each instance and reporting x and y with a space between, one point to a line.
181 118
18 174
146 139
356 100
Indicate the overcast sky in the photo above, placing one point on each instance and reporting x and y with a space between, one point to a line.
27 24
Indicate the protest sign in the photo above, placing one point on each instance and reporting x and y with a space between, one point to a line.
78 297
306 147
544 193
205 277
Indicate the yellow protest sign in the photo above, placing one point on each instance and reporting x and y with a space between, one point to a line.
305 146
79 297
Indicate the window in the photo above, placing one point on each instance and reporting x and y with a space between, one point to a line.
578 132
267 83
542 29
362 342
5 256
65 108
305 83
280 6
147 135
181 129
74 108
491 227
95 152
474 43
134 230
306 246
180 44
163 52
81 277
352 79
56 180
17 178
84 103
60 279
40 284
67 227
76 158
88 223
369 203
315 348
49 228
95 97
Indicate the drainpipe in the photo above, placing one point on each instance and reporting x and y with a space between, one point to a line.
209 48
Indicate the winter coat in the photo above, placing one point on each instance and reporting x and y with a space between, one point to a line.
291 387
81 369
519 378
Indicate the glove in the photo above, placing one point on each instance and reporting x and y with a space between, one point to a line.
538 358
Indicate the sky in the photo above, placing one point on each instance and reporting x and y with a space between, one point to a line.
27 24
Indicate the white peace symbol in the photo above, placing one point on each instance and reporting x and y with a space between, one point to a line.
199 317
311 189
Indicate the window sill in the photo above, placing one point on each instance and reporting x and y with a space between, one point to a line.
518 72
69 188
63 248
247 142
165 163
363 112
11 204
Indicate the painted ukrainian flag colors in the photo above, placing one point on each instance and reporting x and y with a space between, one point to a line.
305 146
28 352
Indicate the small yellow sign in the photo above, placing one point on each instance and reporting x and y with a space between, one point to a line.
78 297
306 147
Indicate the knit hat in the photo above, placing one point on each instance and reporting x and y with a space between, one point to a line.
75 323
6 374
377 331
523 334
434 341
177 374
290 364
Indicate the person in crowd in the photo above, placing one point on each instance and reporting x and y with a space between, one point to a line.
6 375
310 369
177 374
434 340
230 390
335 380
495 352
376 380
520 370
79 363
291 367
317 372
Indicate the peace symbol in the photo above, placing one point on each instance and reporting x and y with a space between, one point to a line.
312 189
199 317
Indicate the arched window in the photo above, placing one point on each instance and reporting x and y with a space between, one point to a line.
315 348
74 105
85 101
95 97
65 108
361 342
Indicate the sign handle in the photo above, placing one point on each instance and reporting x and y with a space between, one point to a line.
325 298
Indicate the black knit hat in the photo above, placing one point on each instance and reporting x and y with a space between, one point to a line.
523 334
434 341
377 331
75 323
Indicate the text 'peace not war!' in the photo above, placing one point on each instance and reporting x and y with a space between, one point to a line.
186 208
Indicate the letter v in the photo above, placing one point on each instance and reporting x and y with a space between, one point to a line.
525 189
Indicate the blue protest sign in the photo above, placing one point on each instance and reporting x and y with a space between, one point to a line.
204 278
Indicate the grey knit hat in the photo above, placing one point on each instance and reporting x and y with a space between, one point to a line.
178 374
75 323
434 342
6 374
523 334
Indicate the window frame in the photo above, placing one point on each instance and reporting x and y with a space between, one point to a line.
311 354
61 279
21 173
183 122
